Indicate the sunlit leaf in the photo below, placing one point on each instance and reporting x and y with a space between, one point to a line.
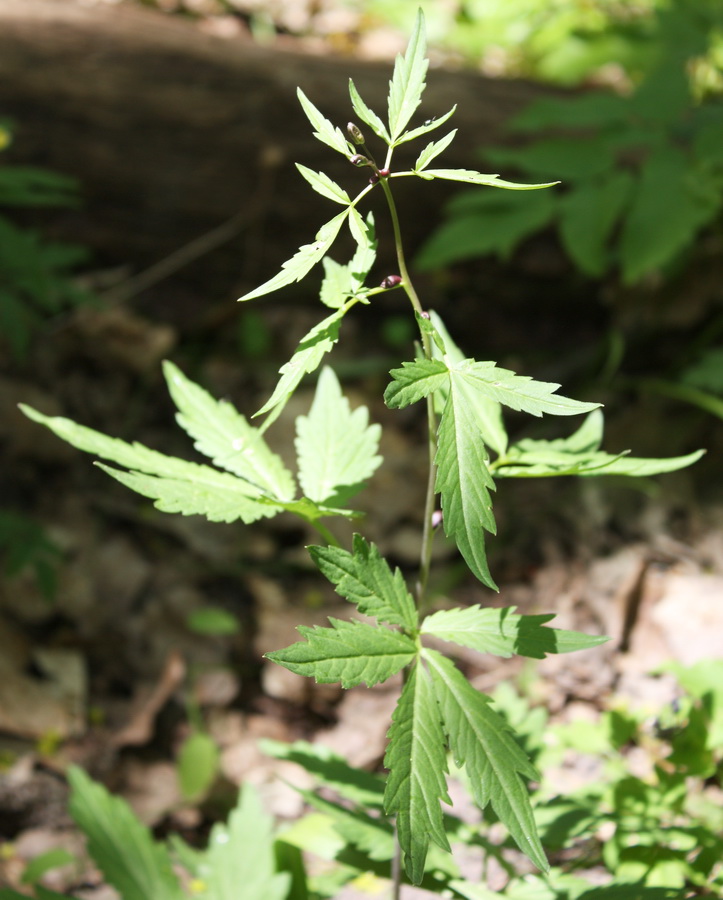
323 185
351 653
326 132
482 742
414 381
368 116
471 177
416 759
432 151
407 84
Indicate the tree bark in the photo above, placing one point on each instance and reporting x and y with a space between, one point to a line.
172 132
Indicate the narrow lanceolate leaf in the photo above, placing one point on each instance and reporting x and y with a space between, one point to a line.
201 492
368 116
323 185
303 260
504 633
351 653
122 848
464 480
407 84
224 435
336 447
516 391
432 151
429 125
481 741
308 356
470 177
242 853
326 132
414 381
178 485
416 759
365 578
357 227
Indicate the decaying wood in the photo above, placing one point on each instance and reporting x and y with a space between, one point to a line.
173 131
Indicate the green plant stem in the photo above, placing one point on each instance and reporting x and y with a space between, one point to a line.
428 529
325 533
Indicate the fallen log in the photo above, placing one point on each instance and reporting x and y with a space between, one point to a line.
173 132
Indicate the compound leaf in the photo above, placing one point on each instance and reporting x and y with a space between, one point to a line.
241 852
407 84
224 435
504 633
464 480
351 653
312 348
426 127
178 485
519 392
367 580
326 132
416 759
303 260
336 447
481 741
122 848
414 381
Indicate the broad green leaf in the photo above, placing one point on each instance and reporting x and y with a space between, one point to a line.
407 84
429 125
489 412
351 653
588 215
240 857
665 214
323 185
414 381
330 769
303 260
471 177
198 760
122 848
481 222
224 435
308 355
416 759
366 579
432 151
481 741
368 116
180 486
567 158
326 132
341 282
520 392
504 633
464 480
373 835
336 285
336 448
312 512
201 491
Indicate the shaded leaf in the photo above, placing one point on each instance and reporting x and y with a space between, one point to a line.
351 653
122 848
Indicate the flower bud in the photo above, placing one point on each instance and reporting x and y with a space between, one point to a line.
391 281
437 518
355 134
359 160
384 173
424 314
374 178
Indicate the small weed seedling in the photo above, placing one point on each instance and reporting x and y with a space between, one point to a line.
438 710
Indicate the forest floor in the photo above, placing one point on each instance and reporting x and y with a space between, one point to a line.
109 672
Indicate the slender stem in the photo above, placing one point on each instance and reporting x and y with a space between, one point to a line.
325 533
396 868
